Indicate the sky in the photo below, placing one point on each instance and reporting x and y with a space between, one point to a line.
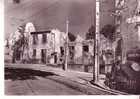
50 14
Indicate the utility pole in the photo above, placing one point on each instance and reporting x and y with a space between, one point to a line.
97 40
120 7
66 47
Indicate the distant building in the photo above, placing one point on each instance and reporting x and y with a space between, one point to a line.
78 49
129 30
42 46
49 47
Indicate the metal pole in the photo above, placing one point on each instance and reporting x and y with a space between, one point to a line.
54 41
66 50
118 28
97 40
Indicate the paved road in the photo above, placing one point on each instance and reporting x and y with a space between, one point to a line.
33 82
37 79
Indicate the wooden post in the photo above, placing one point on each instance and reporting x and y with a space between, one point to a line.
66 49
97 40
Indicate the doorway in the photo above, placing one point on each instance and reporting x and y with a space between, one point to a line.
43 56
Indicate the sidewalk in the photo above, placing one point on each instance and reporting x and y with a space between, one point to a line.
75 76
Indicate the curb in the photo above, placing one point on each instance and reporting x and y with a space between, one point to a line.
105 88
85 88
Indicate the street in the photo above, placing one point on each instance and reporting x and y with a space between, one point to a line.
31 82
22 79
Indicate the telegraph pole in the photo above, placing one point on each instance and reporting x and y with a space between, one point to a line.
97 40
119 6
66 47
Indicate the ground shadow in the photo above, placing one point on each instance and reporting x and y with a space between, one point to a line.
24 74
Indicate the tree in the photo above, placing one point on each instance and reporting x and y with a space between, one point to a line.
108 31
91 33
71 37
